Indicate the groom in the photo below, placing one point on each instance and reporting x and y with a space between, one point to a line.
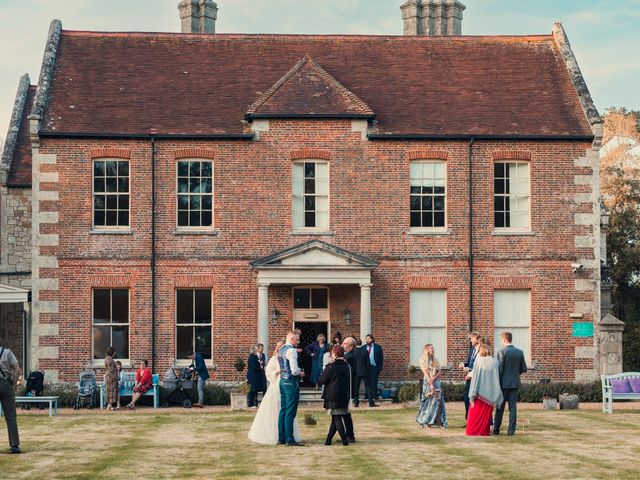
290 374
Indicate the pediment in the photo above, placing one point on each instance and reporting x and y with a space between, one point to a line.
307 90
315 254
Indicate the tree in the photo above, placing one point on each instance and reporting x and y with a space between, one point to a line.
620 193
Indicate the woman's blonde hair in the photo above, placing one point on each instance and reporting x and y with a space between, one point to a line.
278 346
484 350
425 358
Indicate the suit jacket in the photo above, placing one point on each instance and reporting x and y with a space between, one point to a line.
336 379
363 365
511 366
200 367
471 358
378 356
255 373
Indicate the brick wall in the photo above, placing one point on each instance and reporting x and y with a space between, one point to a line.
369 215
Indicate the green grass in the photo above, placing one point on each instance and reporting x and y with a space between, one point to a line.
212 443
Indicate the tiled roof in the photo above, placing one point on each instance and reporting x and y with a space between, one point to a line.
308 90
20 170
136 83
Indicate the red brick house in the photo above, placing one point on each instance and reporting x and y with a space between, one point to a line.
213 190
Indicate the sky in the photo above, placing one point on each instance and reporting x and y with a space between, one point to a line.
604 34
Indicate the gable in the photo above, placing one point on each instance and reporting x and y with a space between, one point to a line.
315 253
308 90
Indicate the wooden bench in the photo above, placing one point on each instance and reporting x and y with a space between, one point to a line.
126 390
52 401
608 396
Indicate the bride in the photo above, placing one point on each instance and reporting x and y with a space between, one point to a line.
265 424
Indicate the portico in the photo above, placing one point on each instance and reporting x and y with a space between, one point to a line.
313 263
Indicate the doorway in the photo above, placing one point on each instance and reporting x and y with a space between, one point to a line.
309 331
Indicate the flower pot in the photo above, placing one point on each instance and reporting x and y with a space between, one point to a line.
238 401
549 403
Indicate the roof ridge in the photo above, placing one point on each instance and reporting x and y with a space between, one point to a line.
264 98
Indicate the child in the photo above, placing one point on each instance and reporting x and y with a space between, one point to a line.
120 381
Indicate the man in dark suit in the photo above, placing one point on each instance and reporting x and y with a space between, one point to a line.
363 369
349 346
467 367
256 375
376 360
511 366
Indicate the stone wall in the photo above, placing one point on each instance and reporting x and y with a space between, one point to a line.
15 236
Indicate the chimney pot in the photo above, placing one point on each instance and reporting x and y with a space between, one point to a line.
432 17
198 16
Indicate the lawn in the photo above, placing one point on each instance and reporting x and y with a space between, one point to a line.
211 443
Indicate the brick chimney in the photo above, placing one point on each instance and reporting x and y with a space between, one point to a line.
198 16
432 17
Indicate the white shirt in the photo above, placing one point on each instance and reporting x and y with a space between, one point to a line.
292 355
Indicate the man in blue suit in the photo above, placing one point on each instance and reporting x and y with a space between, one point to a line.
511 366
376 360
256 375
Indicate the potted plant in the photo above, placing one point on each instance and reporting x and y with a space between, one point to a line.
239 394
548 403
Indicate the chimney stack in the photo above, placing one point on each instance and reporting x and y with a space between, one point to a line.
198 16
432 17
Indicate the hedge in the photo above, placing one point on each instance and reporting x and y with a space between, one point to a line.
528 393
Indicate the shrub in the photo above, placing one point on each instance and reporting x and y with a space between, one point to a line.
453 392
409 392
587 392
239 364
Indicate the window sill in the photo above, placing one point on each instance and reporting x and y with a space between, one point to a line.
126 363
110 232
429 231
515 233
182 363
312 232
213 233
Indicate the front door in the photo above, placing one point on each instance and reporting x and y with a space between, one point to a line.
309 332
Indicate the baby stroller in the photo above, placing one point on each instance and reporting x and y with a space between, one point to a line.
178 386
87 390
35 387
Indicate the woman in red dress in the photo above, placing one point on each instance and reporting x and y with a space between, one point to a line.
144 382
484 392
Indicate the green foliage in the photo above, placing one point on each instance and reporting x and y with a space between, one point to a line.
409 392
587 392
631 348
68 393
239 364
453 392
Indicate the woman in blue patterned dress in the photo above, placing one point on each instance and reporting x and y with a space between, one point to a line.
432 411
317 350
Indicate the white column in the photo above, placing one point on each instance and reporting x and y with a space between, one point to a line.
263 315
365 310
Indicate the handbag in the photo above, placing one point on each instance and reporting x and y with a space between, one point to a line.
350 404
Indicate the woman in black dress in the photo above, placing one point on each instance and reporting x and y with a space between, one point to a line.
336 378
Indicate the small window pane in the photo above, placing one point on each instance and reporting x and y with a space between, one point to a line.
112 217
206 219
438 203
203 306
438 219
120 305
309 170
415 202
207 169
498 218
123 169
120 340
309 202
101 341
183 169
98 185
416 219
427 170
203 341
427 219
112 168
194 185
183 202
112 202
319 298
123 202
416 171
206 185
183 185
98 169
194 218
123 218
194 202
99 202
123 184
99 218
310 219
309 185
301 298
194 169
184 341
206 202
101 305
498 169
111 184
183 218
184 306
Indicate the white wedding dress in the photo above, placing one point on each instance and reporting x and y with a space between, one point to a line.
264 429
